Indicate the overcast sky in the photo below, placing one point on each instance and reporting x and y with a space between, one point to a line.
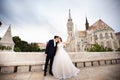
40 20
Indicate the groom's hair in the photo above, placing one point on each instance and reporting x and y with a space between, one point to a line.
56 37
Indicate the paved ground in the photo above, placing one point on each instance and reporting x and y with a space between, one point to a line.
109 72
23 76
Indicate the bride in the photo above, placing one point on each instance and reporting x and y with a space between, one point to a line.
63 67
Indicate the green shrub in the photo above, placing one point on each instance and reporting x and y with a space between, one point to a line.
99 48
118 49
5 47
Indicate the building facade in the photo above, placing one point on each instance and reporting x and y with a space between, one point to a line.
118 37
99 32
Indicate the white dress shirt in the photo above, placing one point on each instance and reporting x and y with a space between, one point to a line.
54 43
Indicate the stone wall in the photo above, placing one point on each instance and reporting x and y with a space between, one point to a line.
11 62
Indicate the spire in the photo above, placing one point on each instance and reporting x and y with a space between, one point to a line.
69 14
86 24
7 38
86 20
69 19
70 26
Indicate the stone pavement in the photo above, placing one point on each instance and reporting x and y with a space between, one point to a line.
23 76
108 72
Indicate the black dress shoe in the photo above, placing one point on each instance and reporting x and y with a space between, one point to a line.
44 74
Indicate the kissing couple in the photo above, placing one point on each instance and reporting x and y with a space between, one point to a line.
61 66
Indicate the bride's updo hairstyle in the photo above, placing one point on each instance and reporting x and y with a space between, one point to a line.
60 39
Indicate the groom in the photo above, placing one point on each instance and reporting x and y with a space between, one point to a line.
50 53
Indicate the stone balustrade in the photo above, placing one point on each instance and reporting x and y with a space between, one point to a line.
33 61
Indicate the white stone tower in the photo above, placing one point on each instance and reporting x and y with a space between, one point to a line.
71 38
70 27
7 39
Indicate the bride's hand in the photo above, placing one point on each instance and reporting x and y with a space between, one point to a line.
45 54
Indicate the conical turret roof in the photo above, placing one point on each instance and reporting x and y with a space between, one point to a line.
7 38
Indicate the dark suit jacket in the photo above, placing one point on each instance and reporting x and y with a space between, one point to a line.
50 49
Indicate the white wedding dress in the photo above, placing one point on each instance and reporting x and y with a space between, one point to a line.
62 65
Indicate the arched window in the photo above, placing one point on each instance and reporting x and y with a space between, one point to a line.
111 35
106 36
96 38
108 44
115 45
101 36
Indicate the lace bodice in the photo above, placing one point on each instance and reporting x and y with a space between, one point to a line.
60 45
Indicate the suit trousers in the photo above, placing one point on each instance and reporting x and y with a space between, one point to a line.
48 58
